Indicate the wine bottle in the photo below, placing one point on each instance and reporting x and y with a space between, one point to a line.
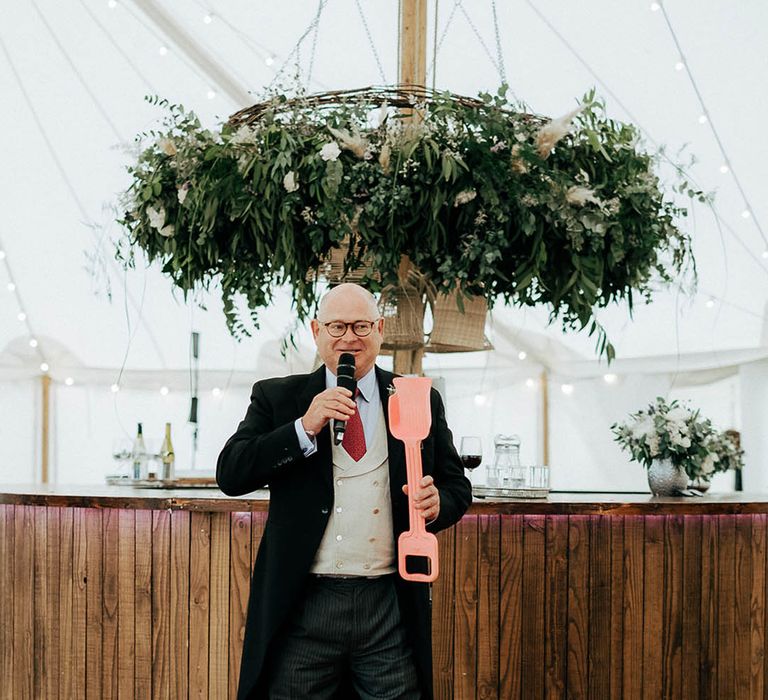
166 455
139 454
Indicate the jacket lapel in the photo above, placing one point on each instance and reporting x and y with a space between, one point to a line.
395 447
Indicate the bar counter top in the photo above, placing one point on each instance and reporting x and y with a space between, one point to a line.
213 500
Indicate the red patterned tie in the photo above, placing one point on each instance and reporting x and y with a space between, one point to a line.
354 437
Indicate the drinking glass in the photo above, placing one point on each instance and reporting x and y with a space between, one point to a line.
471 452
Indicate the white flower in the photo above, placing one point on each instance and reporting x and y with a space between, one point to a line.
330 151
553 131
183 191
680 440
653 444
156 217
678 414
352 142
243 135
289 182
167 231
579 196
463 197
708 464
307 215
167 146
643 428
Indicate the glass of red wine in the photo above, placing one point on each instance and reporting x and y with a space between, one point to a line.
471 452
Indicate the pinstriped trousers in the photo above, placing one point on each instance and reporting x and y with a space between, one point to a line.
344 629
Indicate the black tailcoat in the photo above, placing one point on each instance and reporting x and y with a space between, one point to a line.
265 451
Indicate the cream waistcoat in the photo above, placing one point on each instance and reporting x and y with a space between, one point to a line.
358 540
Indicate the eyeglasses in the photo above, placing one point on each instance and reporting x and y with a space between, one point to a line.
336 329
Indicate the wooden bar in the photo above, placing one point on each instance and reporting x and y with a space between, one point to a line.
692 632
465 625
240 579
556 607
573 597
578 602
111 603
179 604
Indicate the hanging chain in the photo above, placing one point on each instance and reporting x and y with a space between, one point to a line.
499 56
296 49
370 41
314 47
432 68
477 34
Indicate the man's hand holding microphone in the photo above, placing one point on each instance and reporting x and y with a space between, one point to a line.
336 403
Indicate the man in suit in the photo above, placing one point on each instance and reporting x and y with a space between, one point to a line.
328 615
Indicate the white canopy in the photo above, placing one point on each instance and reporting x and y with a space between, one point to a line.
74 76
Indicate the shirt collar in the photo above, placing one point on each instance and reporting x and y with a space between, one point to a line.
366 384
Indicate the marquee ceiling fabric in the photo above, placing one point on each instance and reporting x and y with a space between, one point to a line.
74 76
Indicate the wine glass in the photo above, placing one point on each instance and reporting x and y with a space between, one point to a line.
122 454
471 452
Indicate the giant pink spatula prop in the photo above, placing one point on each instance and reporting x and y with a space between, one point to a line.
409 420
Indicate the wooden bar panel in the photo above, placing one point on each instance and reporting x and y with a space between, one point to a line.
51 602
653 607
239 587
533 606
726 609
691 627
111 603
709 604
7 591
41 630
199 587
23 602
599 636
94 603
126 548
443 616
78 650
66 588
142 671
672 624
510 634
578 605
632 637
743 595
179 604
556 607
465 646
617 607
161 603
757 656
488 608
218 644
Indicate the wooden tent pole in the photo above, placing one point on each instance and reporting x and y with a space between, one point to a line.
46 427
544 384
413 71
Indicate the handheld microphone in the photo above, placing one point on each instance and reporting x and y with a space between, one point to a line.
345 378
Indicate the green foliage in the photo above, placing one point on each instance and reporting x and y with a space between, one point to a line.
471 193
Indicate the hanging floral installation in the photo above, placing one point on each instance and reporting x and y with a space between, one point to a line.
481 196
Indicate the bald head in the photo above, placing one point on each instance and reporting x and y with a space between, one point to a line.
344 295
348 303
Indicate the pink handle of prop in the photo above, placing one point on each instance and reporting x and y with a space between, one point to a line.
414 473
